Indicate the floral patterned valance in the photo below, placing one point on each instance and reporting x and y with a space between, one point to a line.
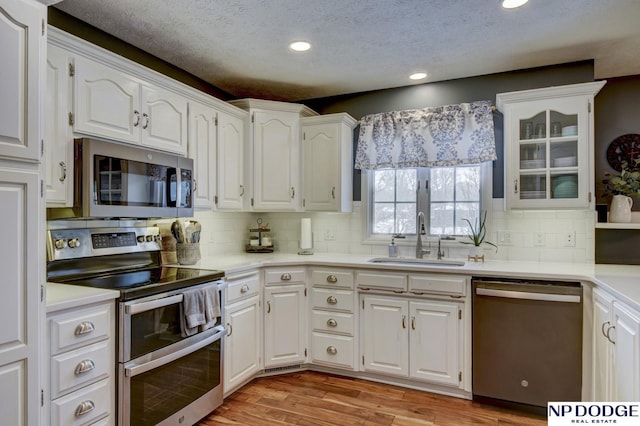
429 137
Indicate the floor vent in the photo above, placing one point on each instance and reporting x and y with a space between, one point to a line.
280 369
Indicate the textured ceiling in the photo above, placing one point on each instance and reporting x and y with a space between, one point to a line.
240 46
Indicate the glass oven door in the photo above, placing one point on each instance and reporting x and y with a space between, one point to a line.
178 384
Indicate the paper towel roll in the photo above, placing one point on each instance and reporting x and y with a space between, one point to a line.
306 241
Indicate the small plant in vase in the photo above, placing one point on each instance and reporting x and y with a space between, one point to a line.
477 234
622 187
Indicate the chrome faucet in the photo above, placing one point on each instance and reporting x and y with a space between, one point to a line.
419 250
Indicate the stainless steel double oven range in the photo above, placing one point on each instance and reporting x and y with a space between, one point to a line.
162 377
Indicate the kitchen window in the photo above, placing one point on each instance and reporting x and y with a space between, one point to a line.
446 195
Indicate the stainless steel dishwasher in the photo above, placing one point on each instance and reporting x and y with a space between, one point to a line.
527 342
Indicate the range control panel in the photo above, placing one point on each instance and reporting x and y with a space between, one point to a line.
88 242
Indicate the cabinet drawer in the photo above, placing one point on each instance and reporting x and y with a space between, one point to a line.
284 276
80 367
381 280
241 289
68 410
438 284
333 278
80 327
332 350
332 322
339 300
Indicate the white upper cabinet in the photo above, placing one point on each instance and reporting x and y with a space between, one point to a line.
231 187
549 146
274 154
107 102
202 149
58 148
164 119
22 31
328 162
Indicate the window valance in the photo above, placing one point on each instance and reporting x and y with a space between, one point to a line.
429 137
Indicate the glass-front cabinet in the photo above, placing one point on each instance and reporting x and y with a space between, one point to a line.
549 146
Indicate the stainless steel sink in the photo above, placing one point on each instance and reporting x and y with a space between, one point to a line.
426 262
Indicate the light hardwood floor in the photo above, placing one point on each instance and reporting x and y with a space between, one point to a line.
311 398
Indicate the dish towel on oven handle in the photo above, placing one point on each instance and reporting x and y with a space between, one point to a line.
200 309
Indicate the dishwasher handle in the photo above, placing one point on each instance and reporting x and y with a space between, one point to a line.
525 295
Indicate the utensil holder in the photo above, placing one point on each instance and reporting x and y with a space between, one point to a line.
188 253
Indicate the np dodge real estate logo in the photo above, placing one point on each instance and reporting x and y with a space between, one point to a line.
593 413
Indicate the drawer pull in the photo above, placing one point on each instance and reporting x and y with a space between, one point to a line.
332 323
84 327
331 350
332 279
268 307
404 321
230 329
285 277
244 289
84 367
85 407
332 300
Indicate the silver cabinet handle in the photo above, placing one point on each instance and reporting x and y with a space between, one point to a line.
333 192
413 323
332 323
604 333
332 300
84 327
84 367
404 321
244 288
136 120
64 171
85 407
285 277
515 186
145 116
331 350
230 330
332 279
241 190
609 331
293 192
268 306
195 184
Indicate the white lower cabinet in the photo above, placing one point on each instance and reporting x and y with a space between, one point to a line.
285 325
418 339
82 365
616 349
243 343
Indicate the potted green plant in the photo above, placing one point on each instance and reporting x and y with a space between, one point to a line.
622 187
477 234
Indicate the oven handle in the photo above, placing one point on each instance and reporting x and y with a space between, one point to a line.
143 368
136 308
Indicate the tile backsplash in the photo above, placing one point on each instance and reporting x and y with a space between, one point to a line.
550 235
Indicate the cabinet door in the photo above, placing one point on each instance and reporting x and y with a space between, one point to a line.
22 264
284 325
321 146
22 50
230 162
602 347
276 162
242 345
58 148
164 120
106 102
549 162
626 377
385 335
202 149
434 342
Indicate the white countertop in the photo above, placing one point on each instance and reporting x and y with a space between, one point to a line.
621 280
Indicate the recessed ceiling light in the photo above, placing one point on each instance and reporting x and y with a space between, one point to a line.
418 76
512 4
300 46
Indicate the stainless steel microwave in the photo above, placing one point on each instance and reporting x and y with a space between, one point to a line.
113 180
